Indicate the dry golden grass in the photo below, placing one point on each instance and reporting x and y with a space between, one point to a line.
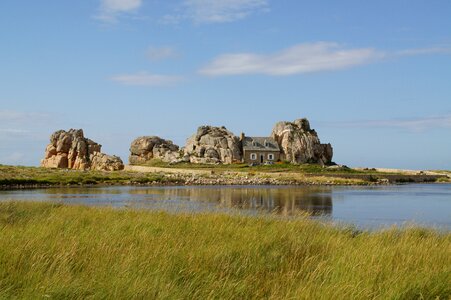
76 252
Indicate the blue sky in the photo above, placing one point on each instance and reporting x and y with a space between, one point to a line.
373 77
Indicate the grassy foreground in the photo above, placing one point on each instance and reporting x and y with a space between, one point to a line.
74 252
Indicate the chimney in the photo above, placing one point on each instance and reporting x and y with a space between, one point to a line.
242 136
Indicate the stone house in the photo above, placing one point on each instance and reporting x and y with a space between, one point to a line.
259 150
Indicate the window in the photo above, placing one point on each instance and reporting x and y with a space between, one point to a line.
253 156
271 156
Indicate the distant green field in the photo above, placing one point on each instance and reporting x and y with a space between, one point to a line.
74 252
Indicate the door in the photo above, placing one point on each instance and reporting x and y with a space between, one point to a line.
262 157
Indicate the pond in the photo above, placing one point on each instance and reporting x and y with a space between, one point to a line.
365 207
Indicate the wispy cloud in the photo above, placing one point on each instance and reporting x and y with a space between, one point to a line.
13 131
13 158
20 116
9 135
110 9
216 11
413 124
147 79
305 58
302 58
20 125
420 51
161 53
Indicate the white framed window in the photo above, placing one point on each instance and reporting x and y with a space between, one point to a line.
253 156
270 156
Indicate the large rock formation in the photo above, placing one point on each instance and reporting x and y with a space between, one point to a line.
213 145
104 162
300 144
70 149
146 148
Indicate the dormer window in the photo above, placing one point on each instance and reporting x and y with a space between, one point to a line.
266 143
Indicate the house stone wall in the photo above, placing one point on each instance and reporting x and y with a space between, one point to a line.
247 156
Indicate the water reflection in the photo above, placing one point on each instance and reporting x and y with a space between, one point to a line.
284 201
424 204
279 200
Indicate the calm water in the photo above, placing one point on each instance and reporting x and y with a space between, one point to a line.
366 207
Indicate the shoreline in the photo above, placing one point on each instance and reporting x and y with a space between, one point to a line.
13 177
200 184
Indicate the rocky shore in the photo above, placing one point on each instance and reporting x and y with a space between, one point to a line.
192 180
183 177
30 177
212 177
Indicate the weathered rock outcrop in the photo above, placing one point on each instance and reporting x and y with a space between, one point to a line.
213 145
300 144
104 162
70 149
146 148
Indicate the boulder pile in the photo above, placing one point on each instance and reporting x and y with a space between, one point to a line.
104 162
300 144
217 145
211 145
146 148
70 149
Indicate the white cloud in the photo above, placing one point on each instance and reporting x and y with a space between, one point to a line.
160 53
146 79
111 9
217 11
413 124
302 58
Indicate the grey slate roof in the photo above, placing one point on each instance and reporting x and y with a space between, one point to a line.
252 143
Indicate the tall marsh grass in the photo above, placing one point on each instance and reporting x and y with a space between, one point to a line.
77 252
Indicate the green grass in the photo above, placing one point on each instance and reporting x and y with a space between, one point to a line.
13 176
444 179
275 168
17 175
75 252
